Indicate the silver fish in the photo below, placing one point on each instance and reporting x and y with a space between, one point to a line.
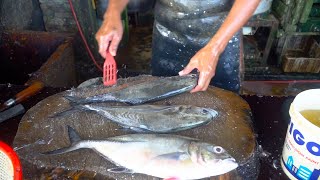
153 118
143 92
160 155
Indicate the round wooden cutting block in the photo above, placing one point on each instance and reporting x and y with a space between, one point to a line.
39 131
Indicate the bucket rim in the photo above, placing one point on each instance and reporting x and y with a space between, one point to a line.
294 112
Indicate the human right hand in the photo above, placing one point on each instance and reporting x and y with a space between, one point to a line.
205 61
110 34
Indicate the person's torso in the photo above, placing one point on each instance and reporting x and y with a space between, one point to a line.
183 27
195 8
191 19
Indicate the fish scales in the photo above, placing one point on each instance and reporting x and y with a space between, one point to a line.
152 118
159 155
143 92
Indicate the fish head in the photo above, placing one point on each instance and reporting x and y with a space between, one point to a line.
209 112
197 115
212 156
186 82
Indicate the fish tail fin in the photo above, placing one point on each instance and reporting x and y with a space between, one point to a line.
74 139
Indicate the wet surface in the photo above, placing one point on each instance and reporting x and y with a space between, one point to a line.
270 126
39 133
271 118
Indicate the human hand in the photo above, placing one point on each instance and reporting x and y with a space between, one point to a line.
205 61
110 34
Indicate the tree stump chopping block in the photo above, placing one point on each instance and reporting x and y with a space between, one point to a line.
38 132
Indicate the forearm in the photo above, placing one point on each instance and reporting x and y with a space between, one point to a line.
115 7
239 14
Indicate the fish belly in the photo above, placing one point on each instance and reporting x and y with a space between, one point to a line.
129 155
140 157
180 169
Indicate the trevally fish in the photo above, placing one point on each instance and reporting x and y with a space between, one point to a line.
143 92
160 155
152 118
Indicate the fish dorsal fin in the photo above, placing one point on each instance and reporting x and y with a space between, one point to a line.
73 135
120 170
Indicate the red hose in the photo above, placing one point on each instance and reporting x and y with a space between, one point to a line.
82 36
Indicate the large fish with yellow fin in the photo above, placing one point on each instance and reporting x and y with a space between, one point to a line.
159 155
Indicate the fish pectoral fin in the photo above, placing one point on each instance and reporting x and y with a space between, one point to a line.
173 156
120 170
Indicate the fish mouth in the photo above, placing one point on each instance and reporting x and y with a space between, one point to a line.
227 165
232 162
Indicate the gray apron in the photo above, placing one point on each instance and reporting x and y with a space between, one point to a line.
183 27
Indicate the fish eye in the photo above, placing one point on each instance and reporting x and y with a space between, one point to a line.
218 149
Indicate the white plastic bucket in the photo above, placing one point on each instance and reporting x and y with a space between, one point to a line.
301 152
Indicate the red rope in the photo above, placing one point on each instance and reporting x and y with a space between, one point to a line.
82 36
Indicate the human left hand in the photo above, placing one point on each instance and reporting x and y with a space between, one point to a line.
205 61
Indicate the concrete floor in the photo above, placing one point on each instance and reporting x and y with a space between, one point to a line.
135 56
